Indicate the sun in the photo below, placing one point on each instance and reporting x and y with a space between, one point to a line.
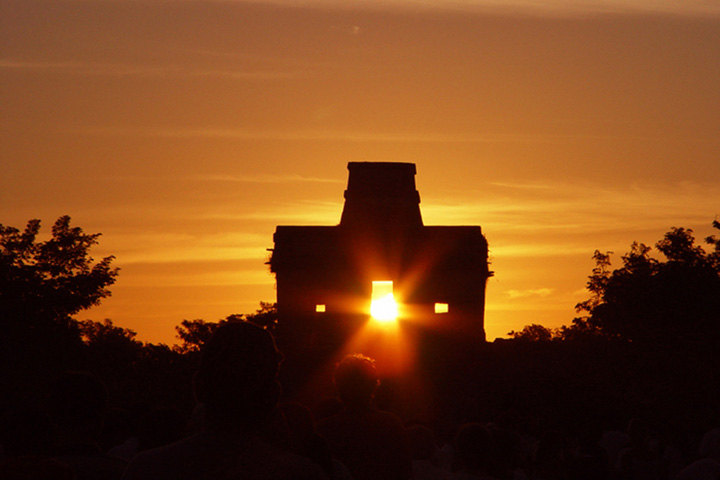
384 309
383 306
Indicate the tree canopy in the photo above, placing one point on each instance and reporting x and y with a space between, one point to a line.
42 285
663 302
47 282
194 333
534 333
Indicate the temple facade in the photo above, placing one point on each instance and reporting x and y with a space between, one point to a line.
326 275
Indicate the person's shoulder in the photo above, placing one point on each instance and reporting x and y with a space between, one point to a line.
163 462
98 466
700 469
331 423
265 461
332 419
199 457
461 475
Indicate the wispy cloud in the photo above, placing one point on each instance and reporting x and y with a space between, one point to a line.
86 68
352 30
196 277
299 134
563 7
537 292
538 7
248 74
155 247
524 186
141 70
577 207
297 213
538 249
567 222
14 64
546 7
275 179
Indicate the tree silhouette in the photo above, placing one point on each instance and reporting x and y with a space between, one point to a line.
662 302
111 350
194 333
714 256
42 285
47 282
534 333
265 316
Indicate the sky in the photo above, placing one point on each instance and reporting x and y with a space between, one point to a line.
186 131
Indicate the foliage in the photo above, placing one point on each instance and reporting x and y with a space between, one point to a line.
105 333
194 333
47 282
42 285
112 351
534 333
714 256
265 316
675 301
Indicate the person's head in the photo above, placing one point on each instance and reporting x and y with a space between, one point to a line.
474 447
236 381
639 431
422 442
356 379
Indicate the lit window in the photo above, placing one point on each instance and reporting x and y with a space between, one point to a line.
383 307
320 308
441 308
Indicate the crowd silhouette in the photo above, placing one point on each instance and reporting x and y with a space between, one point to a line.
243 428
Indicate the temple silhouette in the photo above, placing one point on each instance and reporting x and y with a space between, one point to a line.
325 274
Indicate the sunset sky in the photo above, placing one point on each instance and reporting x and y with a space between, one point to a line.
185 131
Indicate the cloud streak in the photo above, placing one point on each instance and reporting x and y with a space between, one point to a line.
578 207
140 70
537 292
537 7
274 179
297 213
298 134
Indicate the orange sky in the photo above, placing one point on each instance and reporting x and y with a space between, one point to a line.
185 131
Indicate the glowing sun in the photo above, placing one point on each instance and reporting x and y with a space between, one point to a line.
383 306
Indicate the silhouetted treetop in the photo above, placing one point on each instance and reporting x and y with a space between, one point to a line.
714 256
534 333
42 285
668 301
194 333
54 279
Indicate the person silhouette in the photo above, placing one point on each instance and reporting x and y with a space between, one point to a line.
77 405
422 449
370 442
237 386
475 451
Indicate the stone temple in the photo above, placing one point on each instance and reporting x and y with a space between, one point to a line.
326 274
